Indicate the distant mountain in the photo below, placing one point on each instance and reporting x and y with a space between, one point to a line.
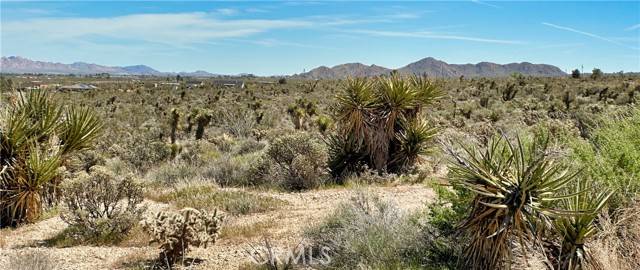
141 70
346 70
429 66
435 68
20 65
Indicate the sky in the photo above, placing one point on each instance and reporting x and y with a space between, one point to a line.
272 38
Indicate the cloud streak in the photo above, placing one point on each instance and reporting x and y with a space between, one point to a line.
432 35
179 29
592 35
485 4
633 27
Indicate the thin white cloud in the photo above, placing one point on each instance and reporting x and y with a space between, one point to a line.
561 45
270 42
256 10
485 3
633 27
227 11
432 35
592 35
179 29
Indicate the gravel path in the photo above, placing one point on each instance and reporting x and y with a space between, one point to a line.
286 227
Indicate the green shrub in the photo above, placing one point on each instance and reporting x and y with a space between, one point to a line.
444 244
228 172
142 151
611 156
173 172
299 160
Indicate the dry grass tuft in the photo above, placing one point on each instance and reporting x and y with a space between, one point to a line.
617 246
247 231
30 260
209 197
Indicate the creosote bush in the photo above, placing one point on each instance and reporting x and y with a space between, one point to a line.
611 156
178 232
299 161
101 204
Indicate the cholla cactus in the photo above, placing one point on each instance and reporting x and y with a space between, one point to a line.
177 231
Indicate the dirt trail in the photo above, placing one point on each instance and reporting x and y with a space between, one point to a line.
285 227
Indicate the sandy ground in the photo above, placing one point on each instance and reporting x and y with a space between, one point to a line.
285 228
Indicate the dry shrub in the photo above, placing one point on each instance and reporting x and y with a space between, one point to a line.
30 260
102 204
3 242
617 246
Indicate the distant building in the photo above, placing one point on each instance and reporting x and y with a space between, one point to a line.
194 84
265 82
77 87
31 85
228 83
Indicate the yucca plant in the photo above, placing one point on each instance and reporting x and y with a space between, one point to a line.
356 103
514 184
36 137
378 119
414 141
576 229
346 154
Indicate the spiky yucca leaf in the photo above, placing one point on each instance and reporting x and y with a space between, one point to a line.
80 128
415 140
575 230
34 141
355 105
512 183
396 97
426 91
24 183
345 155
40 112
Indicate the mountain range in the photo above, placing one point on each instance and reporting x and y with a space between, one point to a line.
429 66
435 68
20 65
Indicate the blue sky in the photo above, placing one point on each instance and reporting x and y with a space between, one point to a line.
269 38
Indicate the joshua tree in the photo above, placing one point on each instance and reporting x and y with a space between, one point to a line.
175 118
575 74
202 120
36 138
596 74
